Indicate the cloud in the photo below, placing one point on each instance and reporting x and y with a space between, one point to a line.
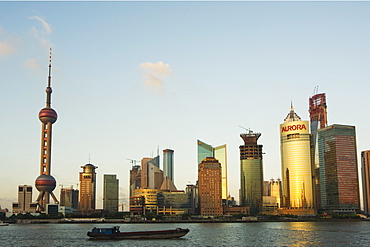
5 49
154 74
46 25
42 34
32 63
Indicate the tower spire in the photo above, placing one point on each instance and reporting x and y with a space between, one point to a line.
48 89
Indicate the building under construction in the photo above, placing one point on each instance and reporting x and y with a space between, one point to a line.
318 120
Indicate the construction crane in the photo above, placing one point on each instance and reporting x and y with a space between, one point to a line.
248 130
133 162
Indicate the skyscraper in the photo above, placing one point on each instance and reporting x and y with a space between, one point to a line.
205 150
87 189
168 164
365 171
69 197
151 175
135 179
318 120
210 191
295 144
110 193
24 204
45 183
251 172
339 185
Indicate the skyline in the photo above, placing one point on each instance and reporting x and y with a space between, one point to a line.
214 66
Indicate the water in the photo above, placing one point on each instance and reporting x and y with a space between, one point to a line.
346 233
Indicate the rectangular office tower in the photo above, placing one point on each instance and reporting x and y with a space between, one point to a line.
339 185
110 193
365 171
219 153
251 172
24 204
69 197
210 192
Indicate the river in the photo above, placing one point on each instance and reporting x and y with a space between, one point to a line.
343 233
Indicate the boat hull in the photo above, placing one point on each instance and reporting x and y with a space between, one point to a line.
166 234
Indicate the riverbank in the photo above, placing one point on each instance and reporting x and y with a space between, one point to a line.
123 221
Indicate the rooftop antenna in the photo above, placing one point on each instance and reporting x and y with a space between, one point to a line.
89 159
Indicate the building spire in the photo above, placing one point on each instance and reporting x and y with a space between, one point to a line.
48 89
292 116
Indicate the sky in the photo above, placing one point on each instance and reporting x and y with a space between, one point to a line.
132 78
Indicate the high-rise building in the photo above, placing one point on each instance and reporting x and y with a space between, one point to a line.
275 189
296 168
318 120
45 183
204 151
210 191
271 196
365 172
135 179
151 175
24 204
110 193
339 184
87 189
193 193
168 164
251 172
69 197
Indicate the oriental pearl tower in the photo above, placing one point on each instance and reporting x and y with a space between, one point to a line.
45 183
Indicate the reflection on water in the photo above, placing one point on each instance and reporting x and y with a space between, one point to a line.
346 233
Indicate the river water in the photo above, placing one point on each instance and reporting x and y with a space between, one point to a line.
344 233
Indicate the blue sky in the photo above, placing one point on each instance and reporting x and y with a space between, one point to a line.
129 77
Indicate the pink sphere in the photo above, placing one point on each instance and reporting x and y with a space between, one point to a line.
47 115
45 183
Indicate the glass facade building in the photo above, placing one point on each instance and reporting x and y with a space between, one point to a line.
168 164
110 193
318 120
339 184
296 163
205 150
87 189
251 173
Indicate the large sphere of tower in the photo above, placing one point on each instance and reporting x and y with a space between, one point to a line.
48 115
45 183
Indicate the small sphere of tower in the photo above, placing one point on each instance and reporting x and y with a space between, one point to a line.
48 115
45 183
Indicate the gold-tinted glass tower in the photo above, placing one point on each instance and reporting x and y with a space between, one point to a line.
295 142
87 189
45 183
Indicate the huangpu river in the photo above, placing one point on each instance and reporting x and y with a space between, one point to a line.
343 233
